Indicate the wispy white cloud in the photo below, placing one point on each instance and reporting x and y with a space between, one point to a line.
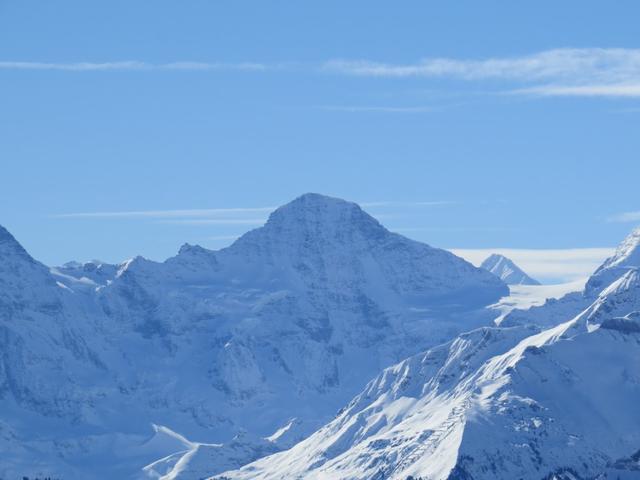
549 265
167 213
217 221
614 90
591 72
569 63
251 216
134 65
611 72
625 217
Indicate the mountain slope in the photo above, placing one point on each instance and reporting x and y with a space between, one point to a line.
562 400
555 311
288 322
504 268
627 256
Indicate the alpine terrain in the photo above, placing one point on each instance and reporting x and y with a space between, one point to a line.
517 402
212 359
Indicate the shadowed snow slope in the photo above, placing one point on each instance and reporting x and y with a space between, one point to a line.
496 403
504 268
288 322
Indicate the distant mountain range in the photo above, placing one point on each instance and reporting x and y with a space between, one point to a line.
318 346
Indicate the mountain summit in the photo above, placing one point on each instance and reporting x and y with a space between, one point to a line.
319 240
507 271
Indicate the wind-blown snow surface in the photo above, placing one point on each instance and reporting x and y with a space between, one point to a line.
289 322
504 268
496 403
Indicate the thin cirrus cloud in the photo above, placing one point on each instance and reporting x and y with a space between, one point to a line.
583 72
249 216
217 221
135 66
607 72
212 213
194 217
202 212
625 217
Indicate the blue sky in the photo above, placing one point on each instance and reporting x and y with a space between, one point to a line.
474 126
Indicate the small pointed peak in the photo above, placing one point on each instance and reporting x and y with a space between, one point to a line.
492 260
507 270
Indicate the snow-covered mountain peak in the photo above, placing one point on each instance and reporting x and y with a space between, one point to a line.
324 242
628 252
626 257
320 218
505 269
